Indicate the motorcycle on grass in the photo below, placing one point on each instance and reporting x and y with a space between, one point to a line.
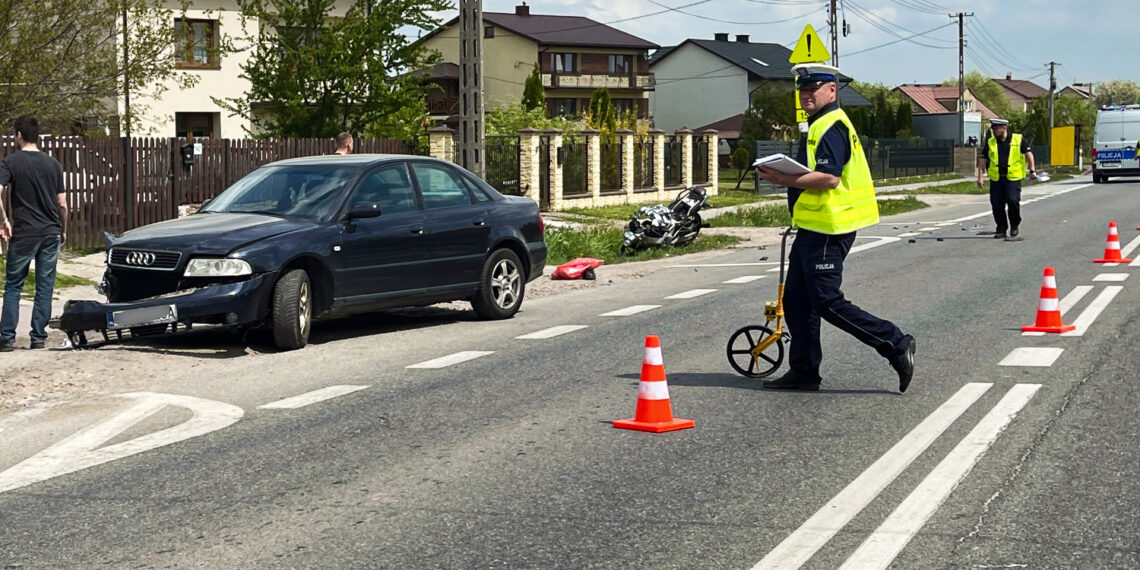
676 224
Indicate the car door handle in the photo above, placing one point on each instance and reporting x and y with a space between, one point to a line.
418 230
480 223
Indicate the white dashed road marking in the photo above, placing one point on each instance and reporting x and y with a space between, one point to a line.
1094 310
691 293
551 332
910 234
631 310
1032 356
743 279
1132 245
452 359
1112 277
797 548
313 397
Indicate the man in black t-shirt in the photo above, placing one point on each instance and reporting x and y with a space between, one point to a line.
36 231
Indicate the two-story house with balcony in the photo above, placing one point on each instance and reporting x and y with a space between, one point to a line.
576 55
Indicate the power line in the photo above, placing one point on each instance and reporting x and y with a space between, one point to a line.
698 16
904 39
994 49
874 20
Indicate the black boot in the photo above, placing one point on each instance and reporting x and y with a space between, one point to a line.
903 363
791 380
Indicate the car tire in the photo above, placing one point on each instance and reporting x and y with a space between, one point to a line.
292 310
1097 179
501 286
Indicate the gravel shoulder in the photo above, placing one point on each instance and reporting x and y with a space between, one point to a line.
48 377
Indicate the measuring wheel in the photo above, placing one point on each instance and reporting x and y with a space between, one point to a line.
744 341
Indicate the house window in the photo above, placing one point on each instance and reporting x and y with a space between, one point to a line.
197 43
488 31
195 125
621 65
562 107
563 63
622 106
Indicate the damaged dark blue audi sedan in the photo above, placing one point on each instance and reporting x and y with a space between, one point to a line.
320 237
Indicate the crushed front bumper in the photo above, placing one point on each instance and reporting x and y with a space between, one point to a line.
230 304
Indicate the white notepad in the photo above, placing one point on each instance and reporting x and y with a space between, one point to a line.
782 163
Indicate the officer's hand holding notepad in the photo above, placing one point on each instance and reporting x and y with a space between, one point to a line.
781 163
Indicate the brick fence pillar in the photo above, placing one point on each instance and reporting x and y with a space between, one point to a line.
529 170
686 137
440 141
658 138
555 141
593 164
713 137
625 139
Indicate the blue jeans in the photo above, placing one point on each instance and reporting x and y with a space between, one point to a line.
21 252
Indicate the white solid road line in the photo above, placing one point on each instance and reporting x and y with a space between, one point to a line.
1128 249
1111 277
1067 303
631 310
83 449
1094 310
551 332
691 293
802 544
900 527
880 240
910 234
1032 356
743 279
452 359
727 264
302 400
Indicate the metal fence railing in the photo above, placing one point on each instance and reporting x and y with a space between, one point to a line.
574 167
886 158
700 160
643 164
501 166
672 161
611 158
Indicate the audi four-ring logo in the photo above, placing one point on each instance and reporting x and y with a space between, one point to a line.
140 258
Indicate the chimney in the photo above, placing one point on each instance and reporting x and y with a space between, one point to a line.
1008 76
720 37
742 38
522 10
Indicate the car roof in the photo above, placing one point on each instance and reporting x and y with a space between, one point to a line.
346 159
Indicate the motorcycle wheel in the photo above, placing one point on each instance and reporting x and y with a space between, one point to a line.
739 351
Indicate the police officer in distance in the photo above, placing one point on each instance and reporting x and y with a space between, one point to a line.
1004 159
828 206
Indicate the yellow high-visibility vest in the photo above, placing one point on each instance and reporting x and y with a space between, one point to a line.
1016 170
849 207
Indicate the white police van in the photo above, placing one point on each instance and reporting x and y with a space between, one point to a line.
1115 142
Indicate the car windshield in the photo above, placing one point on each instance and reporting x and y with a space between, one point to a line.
304 191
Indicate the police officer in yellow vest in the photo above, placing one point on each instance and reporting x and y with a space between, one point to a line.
828 205
1005 159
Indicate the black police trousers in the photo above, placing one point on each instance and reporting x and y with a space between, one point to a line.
1006 194
811 292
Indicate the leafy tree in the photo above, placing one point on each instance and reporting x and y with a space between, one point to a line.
1117 92
534 96
741 158
63 60
601 114
314 73
509 119
988 91
904 120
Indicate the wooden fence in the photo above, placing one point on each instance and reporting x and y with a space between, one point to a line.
116 184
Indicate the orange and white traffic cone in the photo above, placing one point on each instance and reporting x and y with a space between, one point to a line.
654 413
1049 308
1112 248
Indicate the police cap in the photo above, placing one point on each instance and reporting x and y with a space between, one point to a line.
812 75
998 122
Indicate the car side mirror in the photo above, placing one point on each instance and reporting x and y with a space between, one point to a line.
360 211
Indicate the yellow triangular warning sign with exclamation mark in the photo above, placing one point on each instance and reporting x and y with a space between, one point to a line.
809 49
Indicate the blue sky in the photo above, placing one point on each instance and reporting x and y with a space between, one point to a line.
1092 40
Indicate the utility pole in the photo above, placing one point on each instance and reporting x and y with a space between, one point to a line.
471 126
1052 88
961 77
833 22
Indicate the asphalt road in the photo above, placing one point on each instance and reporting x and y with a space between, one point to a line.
510 459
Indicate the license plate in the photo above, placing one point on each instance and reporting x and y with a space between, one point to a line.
142 316
1109 165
